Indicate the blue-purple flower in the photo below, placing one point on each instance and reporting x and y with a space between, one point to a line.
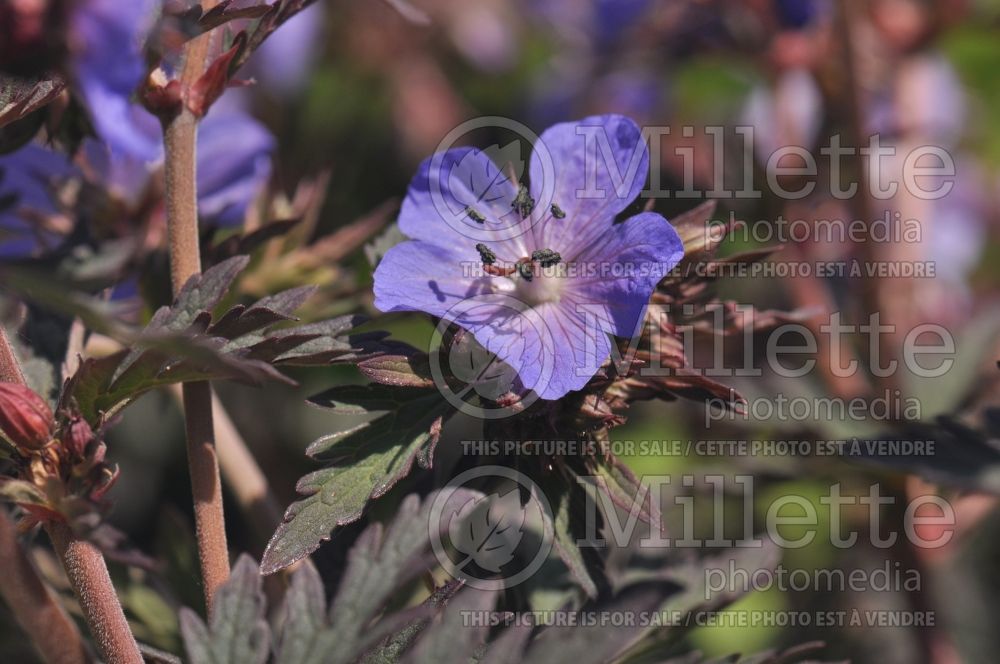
539 274
108 65
234 150
28 179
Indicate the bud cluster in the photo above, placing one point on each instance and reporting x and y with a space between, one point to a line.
62 457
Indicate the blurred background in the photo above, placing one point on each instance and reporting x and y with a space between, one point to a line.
358 93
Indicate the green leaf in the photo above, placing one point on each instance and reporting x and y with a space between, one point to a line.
237 632
368 460
412 370
391 650
183 344
21 492
595 644
569 510
193 304
967 455
453 639
267 311
304 616
380 563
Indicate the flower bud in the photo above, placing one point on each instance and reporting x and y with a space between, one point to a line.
77 436
25 418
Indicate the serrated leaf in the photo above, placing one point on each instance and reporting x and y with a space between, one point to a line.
624 489
595 644
391 650
453 639
369 460
199 296
237 632
19 97
487 530
379 563
182 343
569 510
267 311
411 370
304 616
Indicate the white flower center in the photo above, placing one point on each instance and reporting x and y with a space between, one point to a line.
541 289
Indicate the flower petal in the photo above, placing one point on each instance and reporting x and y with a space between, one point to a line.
625 267
419 276
592 170
234 162
550 346
28 178
453 189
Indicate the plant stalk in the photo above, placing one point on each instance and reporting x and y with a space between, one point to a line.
179 137
88 575
35 609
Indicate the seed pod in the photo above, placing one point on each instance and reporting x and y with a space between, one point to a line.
25 418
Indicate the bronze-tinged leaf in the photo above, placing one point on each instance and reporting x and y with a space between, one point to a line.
366 462
20 97
411 370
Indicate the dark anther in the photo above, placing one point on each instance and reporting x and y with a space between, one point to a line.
475 215
557 212
546 257
486 254
523 202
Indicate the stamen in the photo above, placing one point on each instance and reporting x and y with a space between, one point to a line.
523 202
497 271
475 215
486 254
557 212
525 269
546 257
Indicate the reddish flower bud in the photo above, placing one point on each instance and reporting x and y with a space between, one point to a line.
25 418
77 436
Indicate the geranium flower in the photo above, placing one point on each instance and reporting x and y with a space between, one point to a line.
538 274
234 150
28 178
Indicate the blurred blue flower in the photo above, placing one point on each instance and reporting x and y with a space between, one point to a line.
234 150
613 17
108 67
234 162
797 14
555 272
28 178
602 21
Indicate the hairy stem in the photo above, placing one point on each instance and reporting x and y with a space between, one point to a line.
242 474
88 575
179 137
206 487
10 369
35 609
